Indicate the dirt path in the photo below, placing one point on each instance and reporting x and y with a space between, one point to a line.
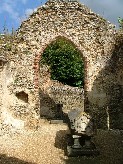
47 145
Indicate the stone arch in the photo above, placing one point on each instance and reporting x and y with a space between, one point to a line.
38 57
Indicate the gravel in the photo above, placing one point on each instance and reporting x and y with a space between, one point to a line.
47 146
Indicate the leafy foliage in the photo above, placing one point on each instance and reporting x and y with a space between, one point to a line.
65 63
120 21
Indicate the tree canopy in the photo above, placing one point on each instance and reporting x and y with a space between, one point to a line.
65 63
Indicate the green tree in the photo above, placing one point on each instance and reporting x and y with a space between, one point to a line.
65 63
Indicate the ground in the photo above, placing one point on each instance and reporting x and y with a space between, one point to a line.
47 146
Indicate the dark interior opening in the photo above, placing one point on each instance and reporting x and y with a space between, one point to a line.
22 96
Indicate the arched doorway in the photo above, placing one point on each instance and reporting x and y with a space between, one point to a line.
61 78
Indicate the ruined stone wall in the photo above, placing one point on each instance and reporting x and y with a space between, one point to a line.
7 99
116 100
91 34
53 93
70 97
67 96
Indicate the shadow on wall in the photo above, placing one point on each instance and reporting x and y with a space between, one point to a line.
49 109
106 97
12 160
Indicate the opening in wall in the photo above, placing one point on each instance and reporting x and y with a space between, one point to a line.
65 62
61 65
22 96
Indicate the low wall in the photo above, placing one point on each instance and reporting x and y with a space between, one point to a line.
57 94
